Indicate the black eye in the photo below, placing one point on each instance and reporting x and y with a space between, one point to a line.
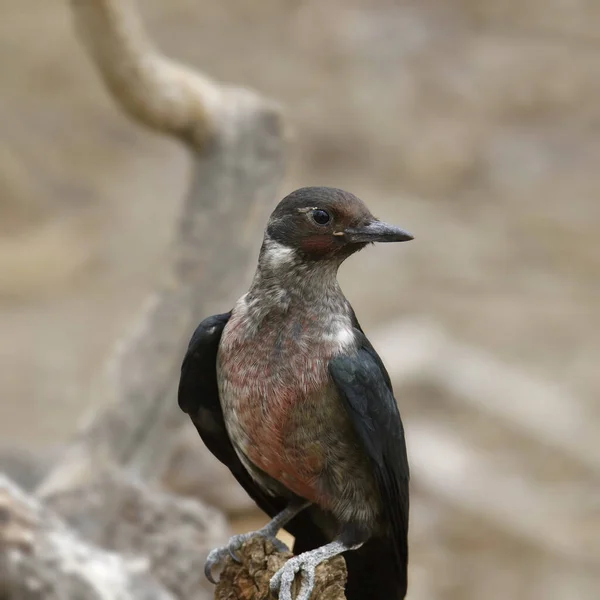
320 216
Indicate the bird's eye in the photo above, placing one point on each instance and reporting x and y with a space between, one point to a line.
320 216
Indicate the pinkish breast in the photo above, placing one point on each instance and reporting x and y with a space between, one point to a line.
273 380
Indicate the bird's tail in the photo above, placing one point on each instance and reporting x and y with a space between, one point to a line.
376 571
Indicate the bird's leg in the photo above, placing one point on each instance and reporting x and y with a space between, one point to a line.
305 564
269 531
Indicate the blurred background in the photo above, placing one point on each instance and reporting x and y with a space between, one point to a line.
474 124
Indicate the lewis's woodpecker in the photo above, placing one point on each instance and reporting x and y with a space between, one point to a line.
286 391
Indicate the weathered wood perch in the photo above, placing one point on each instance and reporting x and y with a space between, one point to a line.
249 580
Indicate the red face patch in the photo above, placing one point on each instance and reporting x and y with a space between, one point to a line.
318 244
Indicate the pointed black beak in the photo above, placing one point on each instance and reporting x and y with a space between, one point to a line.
376 231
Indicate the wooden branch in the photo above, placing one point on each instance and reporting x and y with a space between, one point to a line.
235 184
249 579
157 92
42 559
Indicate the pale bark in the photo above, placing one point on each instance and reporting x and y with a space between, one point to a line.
234 186
154 90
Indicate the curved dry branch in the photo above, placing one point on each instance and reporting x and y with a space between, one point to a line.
234 185
160 93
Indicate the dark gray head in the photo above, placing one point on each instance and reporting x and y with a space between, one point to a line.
321 223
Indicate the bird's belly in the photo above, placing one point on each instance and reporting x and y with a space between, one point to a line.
287 422
277 425
304 444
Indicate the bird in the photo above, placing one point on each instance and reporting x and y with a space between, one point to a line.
286 390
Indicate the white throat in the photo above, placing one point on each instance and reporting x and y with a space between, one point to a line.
278 256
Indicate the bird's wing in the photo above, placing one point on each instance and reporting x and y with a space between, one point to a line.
198 391
368 347
366 392
199 397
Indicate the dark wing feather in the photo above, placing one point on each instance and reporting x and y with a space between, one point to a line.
366 392
368 347
199 397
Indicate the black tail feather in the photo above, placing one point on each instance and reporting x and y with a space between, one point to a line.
374 572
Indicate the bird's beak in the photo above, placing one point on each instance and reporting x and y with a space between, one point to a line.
376 231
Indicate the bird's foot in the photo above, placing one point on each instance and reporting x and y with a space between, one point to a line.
305 564
217 556
281 582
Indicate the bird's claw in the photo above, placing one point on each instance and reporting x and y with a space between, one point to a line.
281 582
214 559
217 556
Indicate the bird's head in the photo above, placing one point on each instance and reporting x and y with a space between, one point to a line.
321 223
